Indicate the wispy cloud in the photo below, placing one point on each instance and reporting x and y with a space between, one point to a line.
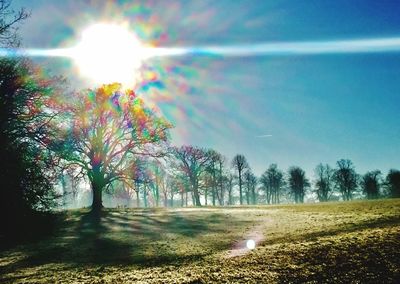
264 136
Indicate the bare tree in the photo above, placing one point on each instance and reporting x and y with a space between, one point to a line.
214 177
221 191
250 181
215 159
239 163
370 183
272 183
9 20
346 178
230 183
324 182
298 183
193 162
392 183
158 174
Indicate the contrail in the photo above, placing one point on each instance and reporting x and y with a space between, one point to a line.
369 45
264 136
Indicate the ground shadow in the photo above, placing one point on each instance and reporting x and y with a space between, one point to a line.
380 222
121 238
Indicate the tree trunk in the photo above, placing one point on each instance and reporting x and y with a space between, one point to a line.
268 196
182 201
192 195
196 197
196 194
137 198
240 187
221 202
214 185
157 196
97 203
165 199
277 196
253 194
145 196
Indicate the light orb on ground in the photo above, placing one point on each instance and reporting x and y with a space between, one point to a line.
109 53
250 244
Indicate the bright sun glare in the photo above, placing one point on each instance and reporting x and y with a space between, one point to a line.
109 53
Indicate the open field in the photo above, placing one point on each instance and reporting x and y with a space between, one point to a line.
335 242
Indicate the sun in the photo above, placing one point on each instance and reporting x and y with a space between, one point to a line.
109 53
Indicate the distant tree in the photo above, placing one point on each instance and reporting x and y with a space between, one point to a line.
158 175
138 178
193 162
250 181
272 181
239 163
104 131
213 179
207 183
346 178
222 187
69 182
122 192
177 184
164 186
177 179
297 183
392 183
324 182
214 160
230 182
370 184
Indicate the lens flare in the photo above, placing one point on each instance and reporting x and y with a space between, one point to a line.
109 53
251 244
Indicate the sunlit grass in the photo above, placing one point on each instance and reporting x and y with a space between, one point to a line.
334 242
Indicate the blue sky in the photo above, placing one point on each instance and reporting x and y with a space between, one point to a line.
317 108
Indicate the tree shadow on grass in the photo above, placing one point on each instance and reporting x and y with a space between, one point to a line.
124 238
381 222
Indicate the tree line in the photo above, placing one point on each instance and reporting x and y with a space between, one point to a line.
194 176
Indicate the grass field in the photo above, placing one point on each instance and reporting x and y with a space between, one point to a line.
335 242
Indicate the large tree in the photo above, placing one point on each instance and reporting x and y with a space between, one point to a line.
239 163
27 167
193 162
324 182
346 178
103 131
297 183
